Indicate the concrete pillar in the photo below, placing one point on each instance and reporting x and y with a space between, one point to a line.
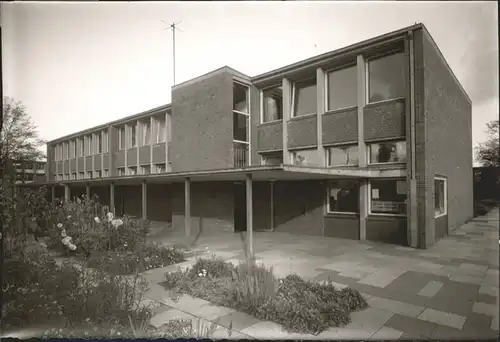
363 208
53 194
320 110
364 196
411 208
87 190
67 193
144 187
187 206
112 197
249 197
287 109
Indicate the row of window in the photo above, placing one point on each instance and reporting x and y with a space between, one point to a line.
386 196
88 145
378 153
122 171
142 133
385 80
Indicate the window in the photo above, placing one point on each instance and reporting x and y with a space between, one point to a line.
169 127
97 174
81 175
105 143
272 158
306 157
74 148
80 147
40 166
105 173
89 174
133 135
159 168
440 200
73 176
98 143
240 127
240 98
304 97
121 137
342 88
146 132
66 151
343 196
90 150
386 77
272 104
132 170
342 155
159 129
121 171
388 152
388 196
145 170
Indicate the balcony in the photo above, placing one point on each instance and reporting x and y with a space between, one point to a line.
240 154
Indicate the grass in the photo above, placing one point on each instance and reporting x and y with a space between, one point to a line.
300 306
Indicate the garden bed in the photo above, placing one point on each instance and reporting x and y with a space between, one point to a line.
300 306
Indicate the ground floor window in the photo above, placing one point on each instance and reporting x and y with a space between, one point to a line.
275 158
306 157
388 196
81 175
387 152
159 168
121 171
440 200
343 196
145 170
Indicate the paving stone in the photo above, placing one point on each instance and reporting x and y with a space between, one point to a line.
484 298
162 318
494 323
341 266
383 277
239 320
431 289
474 267
486 309
265 330
212 312
344 334
442 318
412 328
386 333
395 306
370 319
186 303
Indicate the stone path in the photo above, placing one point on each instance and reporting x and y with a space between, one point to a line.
449 291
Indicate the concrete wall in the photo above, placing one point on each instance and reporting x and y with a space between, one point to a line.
269 136
340 126
386 229
384 120
342 226
302 131
202 124
444 143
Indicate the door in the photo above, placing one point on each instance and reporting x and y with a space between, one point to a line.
240 207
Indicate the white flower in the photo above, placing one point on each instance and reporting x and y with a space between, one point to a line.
33 219
200 274
63 233
69 216
126 244
66 241
59 225
97 220
110 216
117 223
72 247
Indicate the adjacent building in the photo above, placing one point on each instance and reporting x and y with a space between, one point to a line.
372 141
28 171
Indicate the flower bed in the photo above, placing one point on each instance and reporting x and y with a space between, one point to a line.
299 305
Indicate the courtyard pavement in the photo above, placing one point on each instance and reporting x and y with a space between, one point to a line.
449 291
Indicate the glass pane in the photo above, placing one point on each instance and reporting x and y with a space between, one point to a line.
240 126
305 97
388 196
386 77
133 136
343 196
273 159
306 157
240 102
439 196
240 154
345 155
272 104
388 152
342 88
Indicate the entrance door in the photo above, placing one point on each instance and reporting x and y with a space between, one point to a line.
240 207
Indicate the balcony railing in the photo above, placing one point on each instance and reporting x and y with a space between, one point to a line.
240 154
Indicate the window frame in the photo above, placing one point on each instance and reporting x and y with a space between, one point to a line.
121 171
445 194
129 168
264 155
294 88
334 69
347 213
262 104
294 151
248 118
387 53
370 198
368 145
247 93
144 125
122 137
327 154
156 168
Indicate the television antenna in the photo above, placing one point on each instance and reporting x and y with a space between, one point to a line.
173 27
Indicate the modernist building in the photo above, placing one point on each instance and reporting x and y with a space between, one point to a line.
28 171
372 141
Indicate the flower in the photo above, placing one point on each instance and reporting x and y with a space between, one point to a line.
72 247
59 225
69 216
200 274
117 223
97 220
66 241
63 233
125 245
33 219
110 216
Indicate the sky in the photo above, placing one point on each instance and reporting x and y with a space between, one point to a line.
77 65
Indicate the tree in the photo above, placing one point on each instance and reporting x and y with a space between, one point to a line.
487 153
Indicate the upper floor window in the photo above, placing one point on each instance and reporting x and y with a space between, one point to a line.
343 196
342 88
146 132
159 129
145 169
304 97
90 150
440 200
240 98
98 143
386 77
388 196
306 157
65 150
240 127
80 147
387 152
132 141
159 168
272 158
75 148
272 104
121 137
105 142
342 155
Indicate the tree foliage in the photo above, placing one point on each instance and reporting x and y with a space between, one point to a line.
487 153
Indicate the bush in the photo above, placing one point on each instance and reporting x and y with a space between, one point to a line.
299 305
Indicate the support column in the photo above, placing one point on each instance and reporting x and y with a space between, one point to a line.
411 208
187 206
112 197
87 190
272 205
144 187
66 193
320 110
287 109
249 197
363 190
53 194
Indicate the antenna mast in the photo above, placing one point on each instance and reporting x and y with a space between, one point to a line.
173 27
